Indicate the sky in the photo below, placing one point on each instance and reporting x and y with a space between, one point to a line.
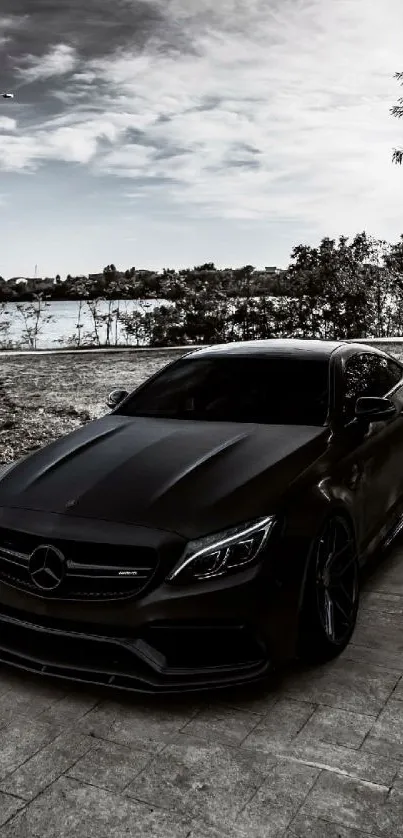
168 133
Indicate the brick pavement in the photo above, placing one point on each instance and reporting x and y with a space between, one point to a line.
316 754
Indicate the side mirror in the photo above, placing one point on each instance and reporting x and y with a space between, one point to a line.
115 398
374 409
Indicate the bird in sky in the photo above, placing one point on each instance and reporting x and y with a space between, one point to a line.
8 95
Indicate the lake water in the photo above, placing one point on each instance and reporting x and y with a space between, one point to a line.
55 333
62 325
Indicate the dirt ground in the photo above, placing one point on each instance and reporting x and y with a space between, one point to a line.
43 397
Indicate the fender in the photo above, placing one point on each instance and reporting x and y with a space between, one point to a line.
302 523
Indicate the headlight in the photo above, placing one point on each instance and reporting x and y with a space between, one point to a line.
223 553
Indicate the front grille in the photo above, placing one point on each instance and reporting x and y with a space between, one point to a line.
92 571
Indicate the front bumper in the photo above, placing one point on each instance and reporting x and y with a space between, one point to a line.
169 638
161 658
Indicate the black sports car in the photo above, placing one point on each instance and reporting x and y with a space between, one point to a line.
209 527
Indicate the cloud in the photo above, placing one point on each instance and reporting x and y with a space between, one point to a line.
235 110
7 124
8 25
59 61
69 144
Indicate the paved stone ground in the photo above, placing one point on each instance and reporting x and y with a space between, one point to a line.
315 754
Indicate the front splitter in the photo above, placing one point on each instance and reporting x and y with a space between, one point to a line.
74 656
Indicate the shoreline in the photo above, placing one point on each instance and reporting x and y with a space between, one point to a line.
114 350
98 350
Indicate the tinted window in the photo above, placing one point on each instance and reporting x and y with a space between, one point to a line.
237 389
368 375
394 372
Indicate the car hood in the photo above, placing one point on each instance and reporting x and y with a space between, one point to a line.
184 476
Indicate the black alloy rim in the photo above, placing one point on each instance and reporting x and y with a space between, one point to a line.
336 580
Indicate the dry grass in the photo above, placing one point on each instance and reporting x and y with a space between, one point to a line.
43 397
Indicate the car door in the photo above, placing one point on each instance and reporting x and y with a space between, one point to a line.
372 457
392 373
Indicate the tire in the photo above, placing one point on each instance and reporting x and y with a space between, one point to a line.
331 594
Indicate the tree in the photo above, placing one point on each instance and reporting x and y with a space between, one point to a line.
109 269
207 266
339 290
397 110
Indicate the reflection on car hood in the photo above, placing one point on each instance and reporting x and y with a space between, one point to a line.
184 476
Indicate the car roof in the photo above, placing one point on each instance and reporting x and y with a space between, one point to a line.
274 347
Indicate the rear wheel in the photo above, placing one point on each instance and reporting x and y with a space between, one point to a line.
330 605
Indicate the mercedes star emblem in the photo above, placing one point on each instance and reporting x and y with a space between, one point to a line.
47 567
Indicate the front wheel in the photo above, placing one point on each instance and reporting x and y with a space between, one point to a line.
330 605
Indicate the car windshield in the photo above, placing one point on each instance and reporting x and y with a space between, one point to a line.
262 390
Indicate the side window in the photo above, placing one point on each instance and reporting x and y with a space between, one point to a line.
367 375
394 373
